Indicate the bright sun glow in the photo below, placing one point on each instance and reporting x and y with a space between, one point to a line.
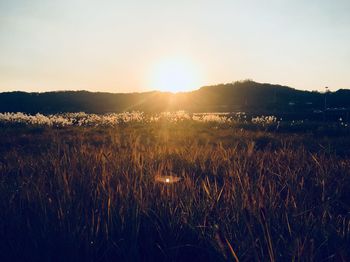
175 75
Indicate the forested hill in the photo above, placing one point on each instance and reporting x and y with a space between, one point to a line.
245 96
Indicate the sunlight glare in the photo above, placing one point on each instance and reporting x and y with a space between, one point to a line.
175 75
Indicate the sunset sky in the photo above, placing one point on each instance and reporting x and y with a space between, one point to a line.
133 46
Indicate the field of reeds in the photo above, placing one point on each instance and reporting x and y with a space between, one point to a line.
174 191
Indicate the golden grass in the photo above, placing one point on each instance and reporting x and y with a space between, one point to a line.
94 194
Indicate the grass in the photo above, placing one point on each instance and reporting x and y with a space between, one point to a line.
91 194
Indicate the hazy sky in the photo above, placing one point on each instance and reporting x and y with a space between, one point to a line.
116 46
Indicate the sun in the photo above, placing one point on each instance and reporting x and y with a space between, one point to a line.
175 75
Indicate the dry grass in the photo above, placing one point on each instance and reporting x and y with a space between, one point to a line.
92 195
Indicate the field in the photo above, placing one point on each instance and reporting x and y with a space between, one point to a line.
181 190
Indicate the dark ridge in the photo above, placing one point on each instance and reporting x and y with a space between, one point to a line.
248 96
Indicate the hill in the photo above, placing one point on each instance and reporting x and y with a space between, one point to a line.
248 96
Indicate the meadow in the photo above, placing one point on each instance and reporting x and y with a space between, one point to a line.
173 187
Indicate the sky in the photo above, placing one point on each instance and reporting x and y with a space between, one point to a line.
133 46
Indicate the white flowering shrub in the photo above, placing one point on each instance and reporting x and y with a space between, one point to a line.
72 119
264 120
114 119
38 119
174 117
211 118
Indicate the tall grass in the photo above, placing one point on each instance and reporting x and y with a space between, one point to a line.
92 194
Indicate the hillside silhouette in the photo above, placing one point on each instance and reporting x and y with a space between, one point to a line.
247 96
